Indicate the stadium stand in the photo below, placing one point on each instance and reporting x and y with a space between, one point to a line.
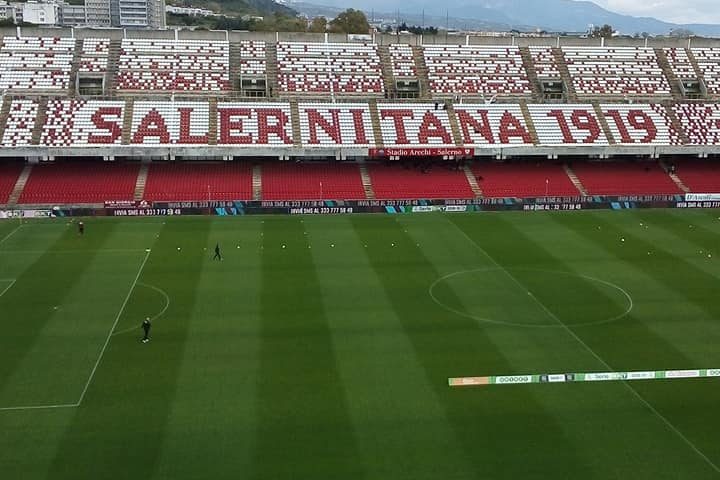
9 173
402 60
253 59
544 61
199 181
80 182
20 123
523 180
567 124
601 71
708 60
408 181
174 65
179 123
625 178
415 125
82 123
680 63
699 175
38 64
473 70
700 121
94 57
247 124
638 123
336 68
493 125
327 124
310 181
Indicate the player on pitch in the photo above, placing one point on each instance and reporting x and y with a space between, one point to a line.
146 328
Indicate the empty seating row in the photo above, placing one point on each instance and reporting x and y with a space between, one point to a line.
337 68
680 63
311 181
622 178
35 63
523 180
20 123
182 65
494 124
699 175
564 124
178 182
9 173
472 70
406 181
602 71
80 182
179 123
247 124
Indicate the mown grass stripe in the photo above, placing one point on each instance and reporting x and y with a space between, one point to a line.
304 429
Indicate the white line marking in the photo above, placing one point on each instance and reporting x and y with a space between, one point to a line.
11 282
158 315
592 352
39 407
10 234
109 335
70 251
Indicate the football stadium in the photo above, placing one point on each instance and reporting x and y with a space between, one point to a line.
321 256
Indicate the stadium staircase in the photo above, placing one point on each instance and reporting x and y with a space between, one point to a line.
295 118
212 121
695 65
575 180
565 75
19 186
675 123
4 113
234 72
472 180
367 182
74 67
386 66
529 66
603 123
141 181
422 72
127 121
529 122
669 74
112 68
39 120
454 125
257 183
271 69
375 118
678 181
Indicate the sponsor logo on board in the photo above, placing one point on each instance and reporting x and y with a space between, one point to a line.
514 379
640 375
713 372
682 373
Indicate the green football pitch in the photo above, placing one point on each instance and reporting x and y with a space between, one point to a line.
321 347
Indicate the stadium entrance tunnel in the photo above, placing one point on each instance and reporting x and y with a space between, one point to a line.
529 297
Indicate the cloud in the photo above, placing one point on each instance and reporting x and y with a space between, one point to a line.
677 11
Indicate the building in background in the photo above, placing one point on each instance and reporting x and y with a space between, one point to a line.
95 13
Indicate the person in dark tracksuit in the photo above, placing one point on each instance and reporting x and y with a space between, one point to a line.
81 228
218 255
146 328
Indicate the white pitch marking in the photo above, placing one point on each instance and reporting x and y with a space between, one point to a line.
11 282
667 422
39 407
158 315
10 234
109 335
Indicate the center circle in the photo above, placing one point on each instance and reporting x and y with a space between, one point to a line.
529 297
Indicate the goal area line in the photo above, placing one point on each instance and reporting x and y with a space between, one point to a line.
583 377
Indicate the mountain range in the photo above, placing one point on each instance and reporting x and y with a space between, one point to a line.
549 15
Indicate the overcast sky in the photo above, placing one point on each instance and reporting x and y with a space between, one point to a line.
678 11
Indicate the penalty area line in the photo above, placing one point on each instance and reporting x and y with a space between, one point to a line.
10 282
39 407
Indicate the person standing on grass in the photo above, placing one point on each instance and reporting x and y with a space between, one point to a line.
81 228
218 255
146 328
